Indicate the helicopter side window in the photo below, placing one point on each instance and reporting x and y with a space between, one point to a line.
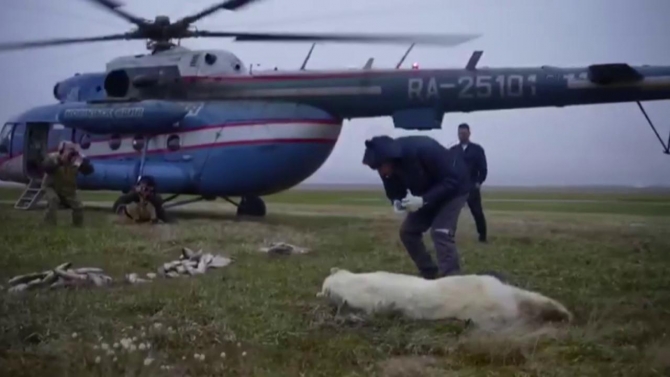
6 138
173 143
85 141
194 60
138 143
210 59
115 142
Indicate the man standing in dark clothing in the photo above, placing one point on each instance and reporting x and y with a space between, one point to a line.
438 185
475 158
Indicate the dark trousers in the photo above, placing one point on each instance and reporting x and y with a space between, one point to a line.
442 222
475 205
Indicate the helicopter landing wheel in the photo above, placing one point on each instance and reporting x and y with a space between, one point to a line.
251 206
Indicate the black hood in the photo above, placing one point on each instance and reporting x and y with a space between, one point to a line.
381 149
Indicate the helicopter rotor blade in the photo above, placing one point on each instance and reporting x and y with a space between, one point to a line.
228 5
442 40
64 41
114 5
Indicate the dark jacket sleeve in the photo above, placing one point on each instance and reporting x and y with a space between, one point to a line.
86 168
450 172
50 165
482 168
395 189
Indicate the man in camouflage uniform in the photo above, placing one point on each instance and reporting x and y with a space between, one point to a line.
142 204
60 181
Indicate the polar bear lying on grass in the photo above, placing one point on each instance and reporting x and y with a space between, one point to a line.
484 300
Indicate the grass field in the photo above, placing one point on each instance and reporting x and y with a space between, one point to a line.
605 256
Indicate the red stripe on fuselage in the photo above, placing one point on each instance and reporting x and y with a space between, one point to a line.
202 146
222 144
306 122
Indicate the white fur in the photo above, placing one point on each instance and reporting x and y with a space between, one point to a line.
484 300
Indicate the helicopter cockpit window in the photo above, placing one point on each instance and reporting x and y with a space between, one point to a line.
115 142
194 60
173 143
138 142
5 138
210 59
85 141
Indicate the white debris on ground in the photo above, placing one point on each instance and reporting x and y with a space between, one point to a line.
283 248
191 263
61 276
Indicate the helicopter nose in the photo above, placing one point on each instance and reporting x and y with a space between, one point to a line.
56 87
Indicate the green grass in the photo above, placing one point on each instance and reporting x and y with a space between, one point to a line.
556 200
609 269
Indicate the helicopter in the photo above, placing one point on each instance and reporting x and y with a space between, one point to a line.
201 123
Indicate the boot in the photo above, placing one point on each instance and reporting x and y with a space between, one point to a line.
78 218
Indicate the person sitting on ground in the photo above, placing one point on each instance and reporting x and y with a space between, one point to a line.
142 203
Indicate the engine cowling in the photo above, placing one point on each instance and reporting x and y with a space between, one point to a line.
122 83
117 84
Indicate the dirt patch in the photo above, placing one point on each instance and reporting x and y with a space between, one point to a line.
410 366
512 346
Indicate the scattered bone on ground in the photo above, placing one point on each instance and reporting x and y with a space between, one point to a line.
61 276
189 263
283 248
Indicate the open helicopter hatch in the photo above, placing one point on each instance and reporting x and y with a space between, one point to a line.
33 139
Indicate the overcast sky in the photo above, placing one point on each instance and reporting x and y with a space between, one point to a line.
603 144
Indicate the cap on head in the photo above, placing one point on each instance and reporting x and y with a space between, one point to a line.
380 149
370 157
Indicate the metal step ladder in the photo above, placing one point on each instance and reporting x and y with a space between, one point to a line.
31 195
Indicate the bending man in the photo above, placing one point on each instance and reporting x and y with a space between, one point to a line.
438 185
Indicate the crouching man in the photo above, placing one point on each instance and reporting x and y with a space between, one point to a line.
142 204
438 185
60 181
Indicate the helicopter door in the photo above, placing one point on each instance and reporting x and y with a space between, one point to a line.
5 149
36 147
5 141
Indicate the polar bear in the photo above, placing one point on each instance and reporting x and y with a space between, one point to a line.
484 300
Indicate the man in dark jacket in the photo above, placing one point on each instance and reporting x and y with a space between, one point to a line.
475 158
438 186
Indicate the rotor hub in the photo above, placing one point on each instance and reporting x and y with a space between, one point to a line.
162 21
